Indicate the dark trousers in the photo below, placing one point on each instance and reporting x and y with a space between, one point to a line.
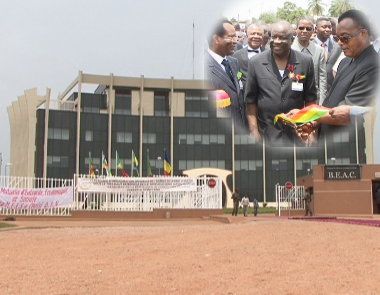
236 208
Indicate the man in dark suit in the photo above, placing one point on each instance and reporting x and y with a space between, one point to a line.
222 70
279 80
355 84
255 35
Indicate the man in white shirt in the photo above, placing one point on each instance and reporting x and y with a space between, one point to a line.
255 35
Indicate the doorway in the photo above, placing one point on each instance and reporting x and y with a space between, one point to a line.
376 196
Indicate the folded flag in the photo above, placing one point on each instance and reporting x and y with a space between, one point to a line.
222 99
307 114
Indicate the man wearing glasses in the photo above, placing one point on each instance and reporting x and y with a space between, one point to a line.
278 80
355 84
222 69
302 43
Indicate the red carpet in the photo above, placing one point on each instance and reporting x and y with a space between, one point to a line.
368 222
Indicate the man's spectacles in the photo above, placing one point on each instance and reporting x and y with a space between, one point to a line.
309 29
346 38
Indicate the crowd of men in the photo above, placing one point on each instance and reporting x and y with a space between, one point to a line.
271 69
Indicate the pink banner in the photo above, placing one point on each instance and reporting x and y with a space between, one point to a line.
36 198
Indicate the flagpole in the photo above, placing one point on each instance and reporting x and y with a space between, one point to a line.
116 163
132 159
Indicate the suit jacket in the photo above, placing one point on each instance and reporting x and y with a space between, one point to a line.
355 84
317 54
242 57
219 79
356 81
273 94
334 51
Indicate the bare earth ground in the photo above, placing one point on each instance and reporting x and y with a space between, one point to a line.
249 256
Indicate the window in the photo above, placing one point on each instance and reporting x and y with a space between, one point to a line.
57 161
58 134
149 138
342 136
123 137
89 135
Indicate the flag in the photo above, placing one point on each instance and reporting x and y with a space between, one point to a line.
134 164
91 168
119 165
105 165
167 166
307 114
222 99
148 168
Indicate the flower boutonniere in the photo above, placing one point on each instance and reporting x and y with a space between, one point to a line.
239 75
293 76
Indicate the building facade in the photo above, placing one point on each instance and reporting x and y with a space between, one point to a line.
147 116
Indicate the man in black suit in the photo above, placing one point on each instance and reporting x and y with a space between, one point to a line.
355 84
255 35
279 80
222 70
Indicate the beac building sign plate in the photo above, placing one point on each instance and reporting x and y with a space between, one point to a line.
342 172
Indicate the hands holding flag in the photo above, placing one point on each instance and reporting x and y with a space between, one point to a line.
307 120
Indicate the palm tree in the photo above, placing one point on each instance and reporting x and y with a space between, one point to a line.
315 7
339 6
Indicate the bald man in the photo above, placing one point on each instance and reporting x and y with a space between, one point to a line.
255 35
279 80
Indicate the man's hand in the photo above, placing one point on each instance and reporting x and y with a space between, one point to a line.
337 116
307 132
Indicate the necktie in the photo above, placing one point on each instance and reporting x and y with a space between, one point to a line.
326 51
253 50
227 66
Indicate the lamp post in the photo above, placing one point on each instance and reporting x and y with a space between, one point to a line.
308 171
333 160
159 166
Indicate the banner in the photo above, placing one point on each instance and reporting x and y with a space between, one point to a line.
36 198
123 185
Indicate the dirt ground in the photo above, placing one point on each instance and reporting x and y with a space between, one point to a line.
248 256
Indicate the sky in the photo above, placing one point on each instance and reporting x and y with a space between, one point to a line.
45 43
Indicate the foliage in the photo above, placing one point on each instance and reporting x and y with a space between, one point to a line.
315 7
266 210
339 6
4 225
268 17
290 12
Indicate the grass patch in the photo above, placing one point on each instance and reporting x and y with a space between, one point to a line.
266 210
5 225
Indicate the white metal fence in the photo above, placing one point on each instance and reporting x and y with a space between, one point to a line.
122 198
205 194
289 199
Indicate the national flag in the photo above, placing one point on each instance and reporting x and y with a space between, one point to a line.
91 167
167 166
119 162
222 99
105 165
307 114
134 164
148 167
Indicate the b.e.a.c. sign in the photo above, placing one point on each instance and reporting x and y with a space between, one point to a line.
342 172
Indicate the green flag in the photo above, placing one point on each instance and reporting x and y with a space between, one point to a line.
148 167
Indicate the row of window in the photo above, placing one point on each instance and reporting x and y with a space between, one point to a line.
201 139
58 134
192 164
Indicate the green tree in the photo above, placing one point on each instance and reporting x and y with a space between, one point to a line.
268 17
290 12
339 6
315 7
